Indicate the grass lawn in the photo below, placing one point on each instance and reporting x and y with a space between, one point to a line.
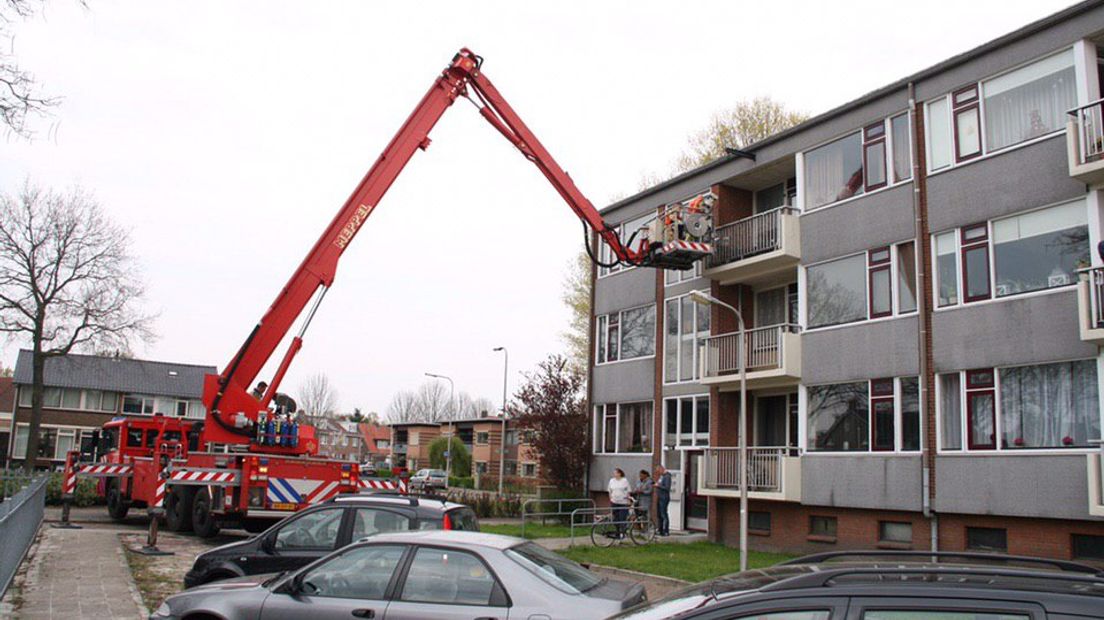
691 562
534 530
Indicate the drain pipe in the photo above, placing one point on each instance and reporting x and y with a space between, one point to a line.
922 250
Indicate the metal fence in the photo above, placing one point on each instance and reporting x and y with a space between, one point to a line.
1089 120
560 509
764 350
722 468
20 516
748 237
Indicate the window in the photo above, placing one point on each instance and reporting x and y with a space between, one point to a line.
834 172
136 404
314 530
511 468
822 526
874 156
974 256
359 573
686 326
1049 406
981 412
19 450
901 140
775 196
927 614
882 413
759 521
910 413
371 521
66 441
686 421
939 134
634 427
1029 102
482 437
70 399
1041 249
906 277
674 276
24 396
776 306
839 417
881 291
946 268
837 291
895 532
1087 547
626 335
986 539
51 397
789 615
529 470
481 467
553 569
47 443
629 230
967 123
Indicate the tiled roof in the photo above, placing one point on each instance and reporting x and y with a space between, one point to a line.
117 374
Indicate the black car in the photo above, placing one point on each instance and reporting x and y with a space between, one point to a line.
892 585
312 533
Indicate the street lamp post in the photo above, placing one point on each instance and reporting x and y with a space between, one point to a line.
502 439
448 444
706 299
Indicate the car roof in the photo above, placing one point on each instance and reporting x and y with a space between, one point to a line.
453 538
393 499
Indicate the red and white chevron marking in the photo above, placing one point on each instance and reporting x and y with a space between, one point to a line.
202 476
323 492
692 246
103 470
69 486
159 495
386 485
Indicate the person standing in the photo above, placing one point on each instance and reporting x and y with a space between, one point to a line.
642 491
663 499
620 499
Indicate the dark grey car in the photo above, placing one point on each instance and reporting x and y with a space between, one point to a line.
430 575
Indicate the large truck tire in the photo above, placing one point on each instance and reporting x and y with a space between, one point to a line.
204 522
117 506
178 509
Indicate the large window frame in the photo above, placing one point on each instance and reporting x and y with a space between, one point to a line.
880 393
880 262
674 373
979 239
973 387
625 230
611 327
968 103
607 418
676 416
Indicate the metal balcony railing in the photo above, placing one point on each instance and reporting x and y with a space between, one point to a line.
1089 122
748 237
765 473
765 350
1096 296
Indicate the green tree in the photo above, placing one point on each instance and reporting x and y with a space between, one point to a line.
743 124
461 458
576 296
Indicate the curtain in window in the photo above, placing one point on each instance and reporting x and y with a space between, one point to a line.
950 411
671 342
1049 406
1029 102
770 307
686 340
635 427
834 171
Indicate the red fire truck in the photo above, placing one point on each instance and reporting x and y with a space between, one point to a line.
249 462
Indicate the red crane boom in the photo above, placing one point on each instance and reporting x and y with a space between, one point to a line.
233 409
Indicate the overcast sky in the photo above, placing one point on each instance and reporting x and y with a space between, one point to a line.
225 136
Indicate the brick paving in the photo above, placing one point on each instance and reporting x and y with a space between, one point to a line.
79 574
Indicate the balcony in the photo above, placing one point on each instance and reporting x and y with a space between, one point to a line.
773 473
773 358
1090 295
1085 143
398 448
1096 482
756 248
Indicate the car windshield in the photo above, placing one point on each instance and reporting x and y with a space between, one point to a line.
557 570
463 519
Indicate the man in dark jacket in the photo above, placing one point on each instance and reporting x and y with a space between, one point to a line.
663 499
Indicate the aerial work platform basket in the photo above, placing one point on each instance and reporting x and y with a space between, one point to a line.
682 234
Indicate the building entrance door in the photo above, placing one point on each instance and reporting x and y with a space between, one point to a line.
696 506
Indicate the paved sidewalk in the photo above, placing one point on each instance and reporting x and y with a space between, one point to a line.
79 574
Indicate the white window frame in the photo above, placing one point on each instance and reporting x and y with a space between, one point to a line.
697 439
599 435
605 253
894 285
998 423
620 335
695 375
985 152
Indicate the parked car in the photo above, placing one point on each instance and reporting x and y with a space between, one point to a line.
893 585
429 480
312 533
417 575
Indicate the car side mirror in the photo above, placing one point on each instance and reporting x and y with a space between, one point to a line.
292 586
268 544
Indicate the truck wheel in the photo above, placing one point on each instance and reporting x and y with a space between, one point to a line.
116 505
178 509
204 522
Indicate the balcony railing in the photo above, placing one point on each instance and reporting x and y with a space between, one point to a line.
765 350
1096 297
765 468
748 237
1089 122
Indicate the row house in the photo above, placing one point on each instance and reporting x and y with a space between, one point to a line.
483 437
918 274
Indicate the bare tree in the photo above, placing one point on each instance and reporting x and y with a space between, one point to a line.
576 296
468 406
402 407
317 396
743 124
67 281
430 403
19 97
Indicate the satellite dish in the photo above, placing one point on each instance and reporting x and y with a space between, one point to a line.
697 224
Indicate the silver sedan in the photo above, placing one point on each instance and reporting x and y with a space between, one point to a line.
430 575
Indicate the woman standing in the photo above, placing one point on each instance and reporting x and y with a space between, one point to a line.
620 499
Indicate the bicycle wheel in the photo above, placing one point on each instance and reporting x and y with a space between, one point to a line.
641 530
603 533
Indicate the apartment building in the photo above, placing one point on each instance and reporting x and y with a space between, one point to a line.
84 391
410 444
483 437
924 309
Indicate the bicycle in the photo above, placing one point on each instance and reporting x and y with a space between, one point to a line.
606 533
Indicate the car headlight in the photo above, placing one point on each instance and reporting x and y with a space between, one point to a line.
163 611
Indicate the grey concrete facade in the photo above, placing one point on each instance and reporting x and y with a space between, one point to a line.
1023 329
